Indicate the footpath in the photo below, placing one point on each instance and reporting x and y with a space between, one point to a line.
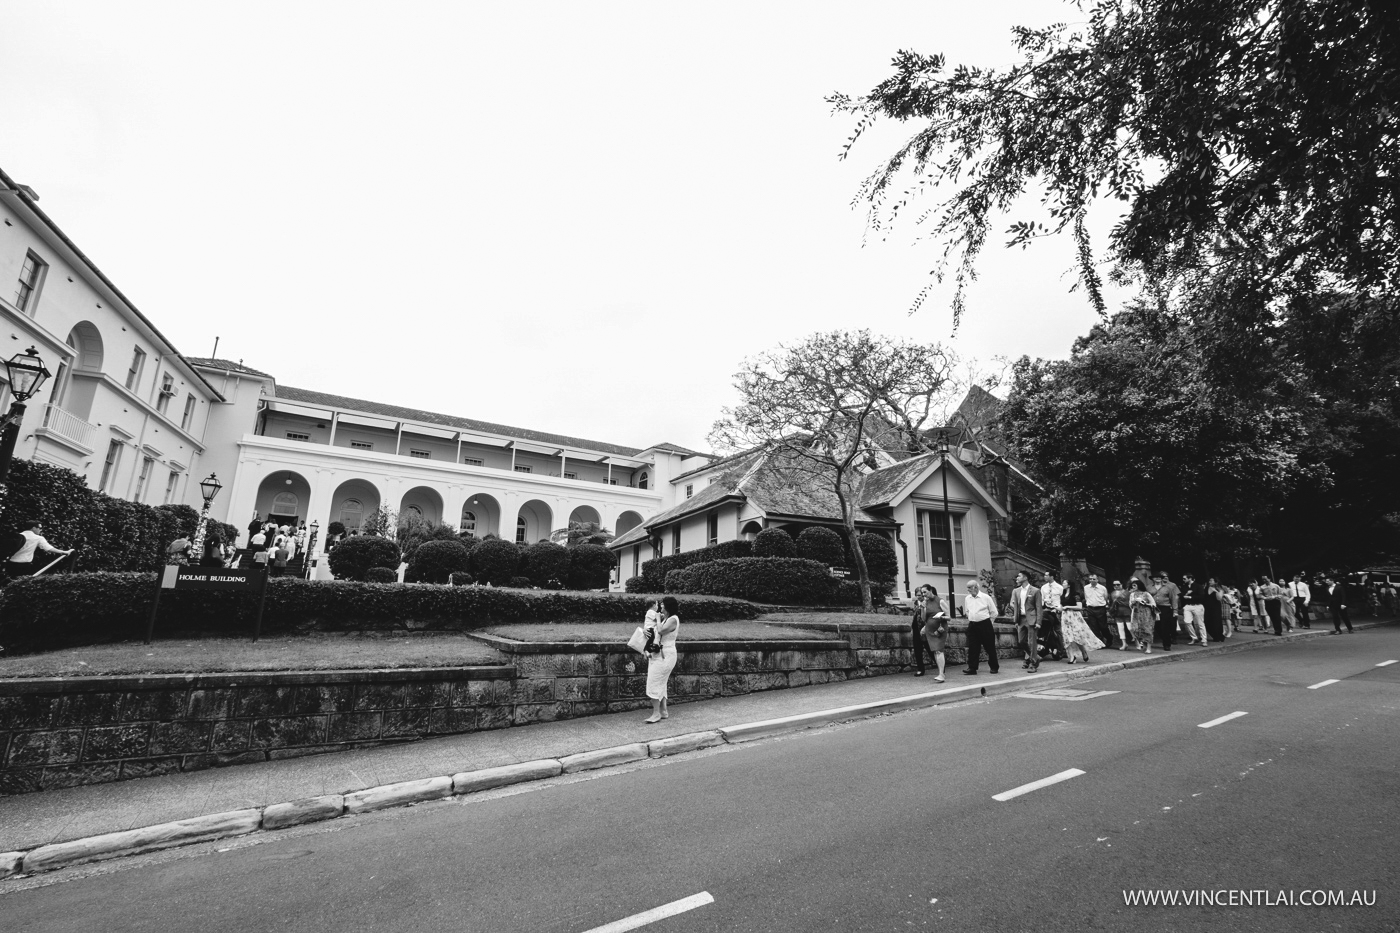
56 828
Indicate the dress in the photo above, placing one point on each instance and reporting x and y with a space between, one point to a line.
1074 630
1215 615
1144 615
659 667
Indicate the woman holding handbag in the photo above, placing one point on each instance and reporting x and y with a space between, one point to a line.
661 655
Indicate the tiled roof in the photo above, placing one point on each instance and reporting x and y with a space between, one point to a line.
882 486
786 485
722 461
210 362
678 449
399 413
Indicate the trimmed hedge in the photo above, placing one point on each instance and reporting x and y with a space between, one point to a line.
495 561
655 570
546 564
354 557
436 561
678 581
774 542
785 580
635 585
381 575
880 558
590 566
46 613
822 545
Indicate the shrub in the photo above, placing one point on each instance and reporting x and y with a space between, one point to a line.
46 613
353 557
495 561
848 593
435 561
785 580
822 545
335 528
678 581
774 542
635 585
381 575
546 564
460 578
415 531
590 566
880 559
654 571
521 583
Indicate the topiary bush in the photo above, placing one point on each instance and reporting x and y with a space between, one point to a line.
635 585
590 566
774 542
381 575
783 580
848 593
822 545
461 578
654 571
521 583
880 558
546 564
436 561
335 528
678 581
495 561
353 557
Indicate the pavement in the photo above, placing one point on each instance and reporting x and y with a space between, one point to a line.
31 820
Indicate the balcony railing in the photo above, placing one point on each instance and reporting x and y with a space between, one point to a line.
68 426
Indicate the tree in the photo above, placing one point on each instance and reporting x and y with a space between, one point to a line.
581 533
590 566
383 522
436 561
414 530
826 405
1255 139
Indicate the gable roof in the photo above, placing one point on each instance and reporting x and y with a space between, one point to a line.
893 484
211 362
685 452
400 413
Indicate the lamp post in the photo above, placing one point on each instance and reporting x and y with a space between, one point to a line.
209 488
27 374
310 550
947 517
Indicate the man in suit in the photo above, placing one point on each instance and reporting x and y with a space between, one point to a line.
1025 612
1337 602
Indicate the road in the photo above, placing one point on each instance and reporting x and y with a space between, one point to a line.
888 824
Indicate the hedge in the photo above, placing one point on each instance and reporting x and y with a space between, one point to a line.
822 545
590 565
784 580
774 542
46 613
381 575
354 557
436 561
495 561
880 559
108 533
655 570
546 564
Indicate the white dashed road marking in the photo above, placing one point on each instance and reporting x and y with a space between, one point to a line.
655 914
1037 785
1216 722
1324 683
1385 664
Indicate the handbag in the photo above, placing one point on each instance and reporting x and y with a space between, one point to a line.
639 640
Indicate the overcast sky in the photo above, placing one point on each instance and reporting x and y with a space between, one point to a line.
577 216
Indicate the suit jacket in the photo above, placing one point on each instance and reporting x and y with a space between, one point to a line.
1338 597
1032 614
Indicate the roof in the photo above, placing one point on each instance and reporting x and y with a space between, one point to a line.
714 464
882 486
678 449
210 362
400 413
711 495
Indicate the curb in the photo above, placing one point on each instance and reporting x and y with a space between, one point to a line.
406 793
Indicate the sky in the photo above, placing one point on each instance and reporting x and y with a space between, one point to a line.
577 217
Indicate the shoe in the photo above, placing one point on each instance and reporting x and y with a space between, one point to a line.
653 719
938 680
1069 660
1086 659
1122 647
918 673
966 671
996 670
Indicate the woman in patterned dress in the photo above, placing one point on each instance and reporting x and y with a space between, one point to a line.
1074 631
1144 614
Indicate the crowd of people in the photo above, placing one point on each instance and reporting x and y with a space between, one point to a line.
271 547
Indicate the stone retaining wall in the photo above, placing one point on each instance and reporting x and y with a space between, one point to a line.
60 732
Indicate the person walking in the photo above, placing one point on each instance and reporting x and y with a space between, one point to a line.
1050 592
213 555
1025 613
21 562
1257 612
1337 603
916 628
1074 630
980 609
178 551
1121 614
1193 610
1096 609
1301 594
1215 611
663 660
1168 599
936 630
1142 614
1273 603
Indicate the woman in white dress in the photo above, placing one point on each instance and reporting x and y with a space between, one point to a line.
1074 631
660 663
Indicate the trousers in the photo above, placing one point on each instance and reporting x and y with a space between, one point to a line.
981 636
1166 626
1301 606
1340 614
916 628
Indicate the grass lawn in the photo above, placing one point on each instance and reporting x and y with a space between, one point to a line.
277 653
621 631
845 618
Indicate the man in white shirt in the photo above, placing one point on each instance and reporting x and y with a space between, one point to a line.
1302 598
21 562
1096 609
1050 592
980 609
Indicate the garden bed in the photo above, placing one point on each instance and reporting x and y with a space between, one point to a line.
621 631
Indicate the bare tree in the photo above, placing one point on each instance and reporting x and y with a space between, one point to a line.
832 405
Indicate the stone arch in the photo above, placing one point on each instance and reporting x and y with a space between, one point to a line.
424 501
485 514
534 521
87 340
626 521
585 513
283 497
354 501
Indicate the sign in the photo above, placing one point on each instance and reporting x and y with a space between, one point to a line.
840 573
214 578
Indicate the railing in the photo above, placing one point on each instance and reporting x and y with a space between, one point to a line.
68 426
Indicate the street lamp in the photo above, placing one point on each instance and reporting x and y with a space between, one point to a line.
947 519
27 374
209 488
310 550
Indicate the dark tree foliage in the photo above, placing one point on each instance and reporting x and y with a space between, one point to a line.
1258 138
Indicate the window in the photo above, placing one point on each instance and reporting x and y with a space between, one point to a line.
31 276
636 559
415 510
689 491
109 466
167 389
170 484
571 476
520 528
676 539
285 503
713 528
642 481
469 523
351 511
133 375
361 445
612 482
523 469
421 454
936 546
146 465
297 436
472 461
188 417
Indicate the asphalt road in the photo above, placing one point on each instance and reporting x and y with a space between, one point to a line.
887 824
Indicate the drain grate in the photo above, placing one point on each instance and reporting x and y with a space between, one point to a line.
1065 693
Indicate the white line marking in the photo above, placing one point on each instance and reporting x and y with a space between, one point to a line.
1215 722
1385 664
1324 683
655 914
1037 785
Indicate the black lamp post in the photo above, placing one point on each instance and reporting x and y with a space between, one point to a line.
209 488
947 518
27 374
310 549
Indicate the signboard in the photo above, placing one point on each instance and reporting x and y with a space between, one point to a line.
840 573
182 577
